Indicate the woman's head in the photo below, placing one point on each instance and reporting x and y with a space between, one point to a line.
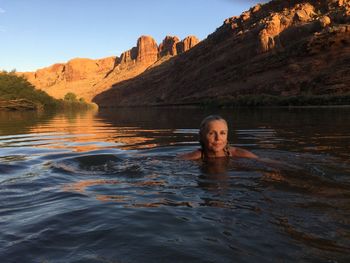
213 134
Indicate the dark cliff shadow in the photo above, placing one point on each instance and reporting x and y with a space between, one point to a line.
152 83
229 64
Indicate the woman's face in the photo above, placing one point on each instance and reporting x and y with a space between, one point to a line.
215 136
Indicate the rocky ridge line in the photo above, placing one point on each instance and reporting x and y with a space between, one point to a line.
87 77
281 48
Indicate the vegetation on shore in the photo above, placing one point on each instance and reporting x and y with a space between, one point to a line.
71 102
16 93
271 100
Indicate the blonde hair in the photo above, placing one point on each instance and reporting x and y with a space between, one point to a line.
204 127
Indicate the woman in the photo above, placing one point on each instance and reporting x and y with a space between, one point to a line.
213 133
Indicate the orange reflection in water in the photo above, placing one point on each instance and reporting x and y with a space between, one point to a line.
86 132
108 198
135 199
81 186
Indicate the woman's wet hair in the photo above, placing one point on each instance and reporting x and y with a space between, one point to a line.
204 127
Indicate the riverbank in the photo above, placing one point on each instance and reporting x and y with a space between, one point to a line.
27 105
19 104
278 101
255 101
17 94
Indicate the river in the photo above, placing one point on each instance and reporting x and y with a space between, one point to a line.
108 186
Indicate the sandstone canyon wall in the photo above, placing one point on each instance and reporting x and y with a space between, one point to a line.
281 48
87 77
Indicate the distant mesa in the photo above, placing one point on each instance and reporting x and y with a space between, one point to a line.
83 68
87 77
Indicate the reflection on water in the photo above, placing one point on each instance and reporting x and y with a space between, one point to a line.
107 187
77 131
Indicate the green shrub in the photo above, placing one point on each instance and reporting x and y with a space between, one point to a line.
14 87
70 96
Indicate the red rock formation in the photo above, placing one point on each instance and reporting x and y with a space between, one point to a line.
47 76
186 44
281 48
173 46
275 24
80 68
76 76
128 56
105 64
168 46
86 77
147 50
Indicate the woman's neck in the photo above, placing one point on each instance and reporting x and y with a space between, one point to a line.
212 154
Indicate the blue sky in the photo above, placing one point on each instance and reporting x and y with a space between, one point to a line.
38 33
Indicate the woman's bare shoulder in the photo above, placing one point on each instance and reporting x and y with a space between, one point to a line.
242 153
191 156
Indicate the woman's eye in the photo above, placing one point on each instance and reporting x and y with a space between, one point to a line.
211 133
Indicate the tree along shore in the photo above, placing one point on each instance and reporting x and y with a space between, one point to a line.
16 93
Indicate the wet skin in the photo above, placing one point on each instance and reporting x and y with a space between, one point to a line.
215 138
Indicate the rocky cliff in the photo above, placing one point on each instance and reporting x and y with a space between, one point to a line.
281 48
87 77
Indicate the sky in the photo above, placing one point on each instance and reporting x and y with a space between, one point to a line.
38 33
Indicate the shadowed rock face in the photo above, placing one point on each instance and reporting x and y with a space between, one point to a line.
88 77
281 48
128 56
173 46
168 46
186 44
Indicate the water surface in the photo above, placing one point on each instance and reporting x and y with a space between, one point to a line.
108 187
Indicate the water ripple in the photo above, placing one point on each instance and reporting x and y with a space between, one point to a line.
91 188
